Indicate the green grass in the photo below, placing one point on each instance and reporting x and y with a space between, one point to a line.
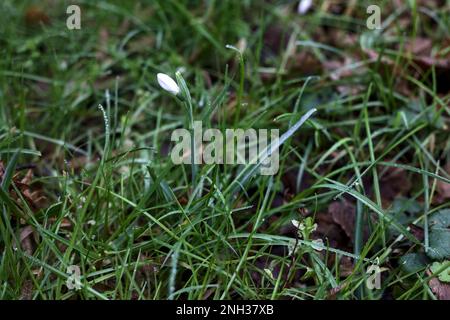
83 109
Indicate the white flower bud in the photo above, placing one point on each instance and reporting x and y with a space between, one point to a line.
304 6
168 84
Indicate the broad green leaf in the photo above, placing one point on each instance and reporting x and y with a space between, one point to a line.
413 262
444 276
440 235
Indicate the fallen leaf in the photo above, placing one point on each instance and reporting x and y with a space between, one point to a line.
26 292
417 232
334 291
345 266
418 46
2 171
331 232
35 16
33 197
141 44
343 214
440 289
394 183
25 238
442 188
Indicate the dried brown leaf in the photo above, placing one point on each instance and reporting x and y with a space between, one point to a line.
393 184
26 241
26 292
440 289
35 16
343 214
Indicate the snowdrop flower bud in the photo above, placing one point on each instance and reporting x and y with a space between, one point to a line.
304 6
168 84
